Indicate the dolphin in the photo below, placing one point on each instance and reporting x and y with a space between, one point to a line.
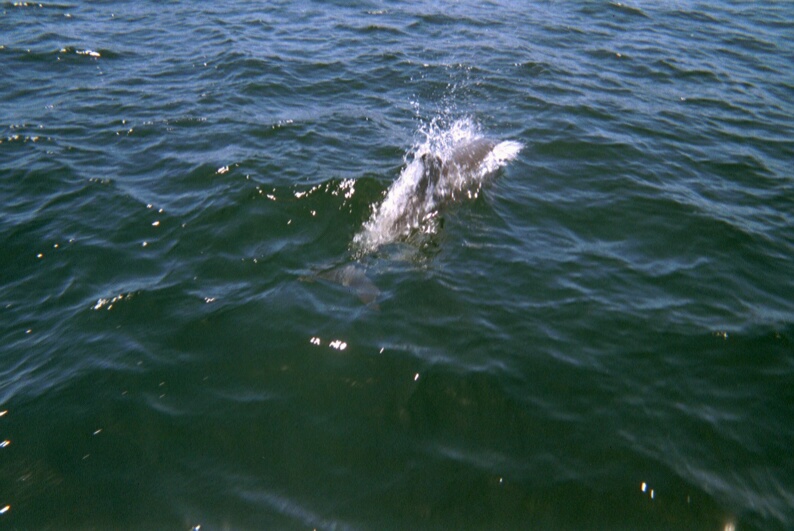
443 178
411 203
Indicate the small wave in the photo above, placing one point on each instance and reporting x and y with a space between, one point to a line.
628 10
40 5
65 53
98 53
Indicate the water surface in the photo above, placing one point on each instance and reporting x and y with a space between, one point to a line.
601 338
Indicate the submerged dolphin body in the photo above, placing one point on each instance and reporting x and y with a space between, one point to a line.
355 279
427 184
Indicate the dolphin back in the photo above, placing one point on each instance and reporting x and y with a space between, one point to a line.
469 156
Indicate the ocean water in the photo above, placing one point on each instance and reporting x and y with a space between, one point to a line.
598 334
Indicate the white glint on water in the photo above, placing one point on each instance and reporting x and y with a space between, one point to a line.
467 159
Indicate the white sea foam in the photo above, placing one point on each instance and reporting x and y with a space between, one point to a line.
406 210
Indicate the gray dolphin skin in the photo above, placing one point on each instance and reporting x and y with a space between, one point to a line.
469 156
444 178
433 168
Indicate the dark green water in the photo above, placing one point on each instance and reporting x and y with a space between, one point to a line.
602 339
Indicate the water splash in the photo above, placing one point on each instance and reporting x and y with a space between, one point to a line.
413 202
